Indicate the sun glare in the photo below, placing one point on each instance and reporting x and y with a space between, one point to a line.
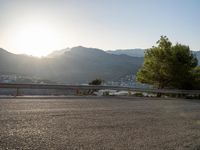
36 39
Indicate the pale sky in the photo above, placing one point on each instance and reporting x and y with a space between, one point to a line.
38 27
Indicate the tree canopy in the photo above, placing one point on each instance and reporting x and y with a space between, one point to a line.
96 82
169 66
196 75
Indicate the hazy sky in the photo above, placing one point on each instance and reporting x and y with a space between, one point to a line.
39 26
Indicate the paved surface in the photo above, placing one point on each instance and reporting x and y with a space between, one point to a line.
99 123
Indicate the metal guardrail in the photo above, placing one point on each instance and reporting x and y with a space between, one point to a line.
93 87
54 86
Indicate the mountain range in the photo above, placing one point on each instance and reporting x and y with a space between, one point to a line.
140 53
137 52
75 65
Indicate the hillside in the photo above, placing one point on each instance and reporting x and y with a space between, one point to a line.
130 52
79 65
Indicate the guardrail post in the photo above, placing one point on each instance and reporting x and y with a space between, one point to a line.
129 92
77 92
17 92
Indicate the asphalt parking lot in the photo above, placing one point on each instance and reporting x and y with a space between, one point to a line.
99 123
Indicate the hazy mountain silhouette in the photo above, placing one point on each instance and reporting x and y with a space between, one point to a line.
58 52
197 53
140 53
79 65
130 52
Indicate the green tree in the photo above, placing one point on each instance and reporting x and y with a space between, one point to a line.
196 75
167 65
96 82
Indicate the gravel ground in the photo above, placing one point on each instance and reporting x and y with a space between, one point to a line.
99 123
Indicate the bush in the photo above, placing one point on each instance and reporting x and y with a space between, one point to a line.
96 82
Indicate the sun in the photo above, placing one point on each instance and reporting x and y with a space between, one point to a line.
36 39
